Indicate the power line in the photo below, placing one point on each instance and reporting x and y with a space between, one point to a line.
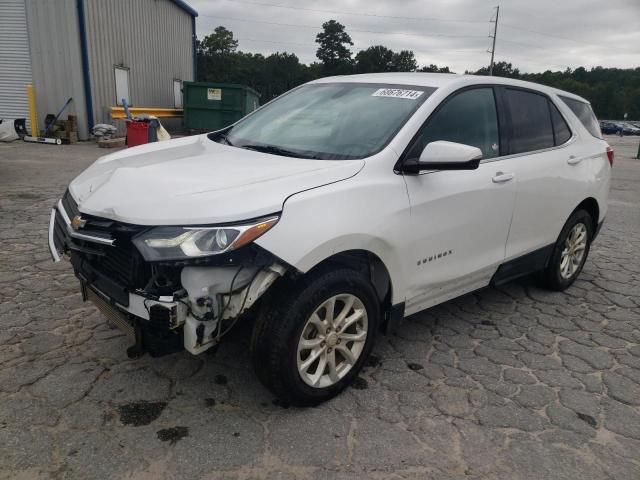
530 45
377 32
398 17
257 40
359 14
317 28
355 47
527 59
360 48
544 34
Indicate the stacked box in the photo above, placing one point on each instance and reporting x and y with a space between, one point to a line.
67 129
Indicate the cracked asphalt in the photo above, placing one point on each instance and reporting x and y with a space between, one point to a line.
506 383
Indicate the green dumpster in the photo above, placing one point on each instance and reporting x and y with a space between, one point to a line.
212 106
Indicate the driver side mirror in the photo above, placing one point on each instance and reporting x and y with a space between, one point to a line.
442 155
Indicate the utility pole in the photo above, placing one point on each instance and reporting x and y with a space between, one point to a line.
495 33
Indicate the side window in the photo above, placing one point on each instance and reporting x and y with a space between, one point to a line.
469 117
531 127
561 131
585 115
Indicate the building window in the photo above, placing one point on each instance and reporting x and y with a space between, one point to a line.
122 85
177 93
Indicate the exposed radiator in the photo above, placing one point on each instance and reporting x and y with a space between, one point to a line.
113 315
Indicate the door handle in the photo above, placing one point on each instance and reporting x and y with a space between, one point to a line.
573 160
501 177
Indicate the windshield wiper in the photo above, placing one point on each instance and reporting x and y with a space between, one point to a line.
225 137
274 150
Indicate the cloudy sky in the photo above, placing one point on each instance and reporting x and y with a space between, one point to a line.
534 35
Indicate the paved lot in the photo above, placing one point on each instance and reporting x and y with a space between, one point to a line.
509 383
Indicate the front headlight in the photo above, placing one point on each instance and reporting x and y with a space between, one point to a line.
179 243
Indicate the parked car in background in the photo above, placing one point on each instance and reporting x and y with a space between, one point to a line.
630 129
615 128
332 213
609 128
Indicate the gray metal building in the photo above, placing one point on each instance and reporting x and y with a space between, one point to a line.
95 51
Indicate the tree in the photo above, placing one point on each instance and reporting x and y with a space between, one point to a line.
433 68
282 72
333 50
404 61
220 42
500 69
611 91
216 55
375 59
382 59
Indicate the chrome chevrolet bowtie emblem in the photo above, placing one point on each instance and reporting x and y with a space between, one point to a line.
78 222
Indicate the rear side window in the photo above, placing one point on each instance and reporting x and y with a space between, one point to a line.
561 131
468 117
531 127
585 115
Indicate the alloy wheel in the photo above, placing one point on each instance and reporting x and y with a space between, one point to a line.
573 252
332 340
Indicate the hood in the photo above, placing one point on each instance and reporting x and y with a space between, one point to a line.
193 180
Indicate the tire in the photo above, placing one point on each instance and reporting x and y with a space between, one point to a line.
556 276
286 317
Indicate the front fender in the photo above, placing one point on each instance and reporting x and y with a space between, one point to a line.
360 213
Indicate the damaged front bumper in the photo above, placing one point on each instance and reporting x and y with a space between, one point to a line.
162 307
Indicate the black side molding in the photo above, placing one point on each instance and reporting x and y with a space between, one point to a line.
521 266
394 316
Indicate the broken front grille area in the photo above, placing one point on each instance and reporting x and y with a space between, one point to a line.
118 269
115 269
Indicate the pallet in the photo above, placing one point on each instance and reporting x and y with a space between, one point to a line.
112 143
66 130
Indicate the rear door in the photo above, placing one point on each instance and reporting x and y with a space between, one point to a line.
545 157
459 219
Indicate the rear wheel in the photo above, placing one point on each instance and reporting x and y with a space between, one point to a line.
570 252
313 336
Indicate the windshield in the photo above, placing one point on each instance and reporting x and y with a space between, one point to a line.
328 121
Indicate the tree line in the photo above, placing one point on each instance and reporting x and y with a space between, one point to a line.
611 91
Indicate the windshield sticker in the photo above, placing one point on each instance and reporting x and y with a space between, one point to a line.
397 93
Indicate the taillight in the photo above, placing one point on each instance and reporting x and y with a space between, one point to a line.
610 155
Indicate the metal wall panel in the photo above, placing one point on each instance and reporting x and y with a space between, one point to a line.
55 59
15 63
152 38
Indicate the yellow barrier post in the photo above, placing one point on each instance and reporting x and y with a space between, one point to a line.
33 114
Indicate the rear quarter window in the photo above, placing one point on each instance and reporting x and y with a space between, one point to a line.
584 113
531 127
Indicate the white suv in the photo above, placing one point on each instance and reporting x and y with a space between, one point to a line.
333 212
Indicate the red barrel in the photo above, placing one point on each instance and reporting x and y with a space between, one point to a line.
137 133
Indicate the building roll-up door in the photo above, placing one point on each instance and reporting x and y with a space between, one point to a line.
15 61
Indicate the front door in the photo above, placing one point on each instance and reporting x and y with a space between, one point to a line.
459 219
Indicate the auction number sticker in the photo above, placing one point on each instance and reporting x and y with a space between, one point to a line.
214 94
397 93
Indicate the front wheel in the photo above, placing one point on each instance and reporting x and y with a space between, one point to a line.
312 337
570 252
